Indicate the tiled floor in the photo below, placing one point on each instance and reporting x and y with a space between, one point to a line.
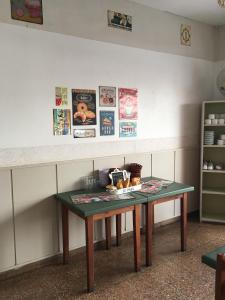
173 275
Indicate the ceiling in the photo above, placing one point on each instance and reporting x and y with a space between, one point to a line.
206 11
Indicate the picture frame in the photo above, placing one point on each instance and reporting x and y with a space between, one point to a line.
117 175
185 35
107 123
128 129
84 107
84 133
61 121
27 11
61 96
119 20
128 103
107 96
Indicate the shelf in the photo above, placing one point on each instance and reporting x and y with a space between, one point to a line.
212 182
214 191
214 146
217 125
214 171
213 217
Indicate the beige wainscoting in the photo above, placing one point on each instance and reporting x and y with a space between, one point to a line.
163 166
35 209
30 221
7 251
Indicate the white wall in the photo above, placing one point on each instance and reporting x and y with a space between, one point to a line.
218 67
220 43
33 62
152 29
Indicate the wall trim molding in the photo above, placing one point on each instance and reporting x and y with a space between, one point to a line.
45 155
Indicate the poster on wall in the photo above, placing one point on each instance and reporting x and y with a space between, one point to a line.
185 35
119 20
84 107
128 129
107 96
61 121
107 123
61 96
27 10
84 133
128 109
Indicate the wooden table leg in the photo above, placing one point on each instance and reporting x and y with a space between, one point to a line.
148 235
65 234
118 230
108 232
184 208
137 237
89 224
153 217
220 277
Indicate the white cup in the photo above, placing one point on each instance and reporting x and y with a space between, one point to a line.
221 121
215 121
208 122
222 137
220 142
211 116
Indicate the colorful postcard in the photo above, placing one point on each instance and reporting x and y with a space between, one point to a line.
107 96
99 197
119 20
107 123
128 109
185 35
27 10
128 129
61 121
84 107
84 133
61 96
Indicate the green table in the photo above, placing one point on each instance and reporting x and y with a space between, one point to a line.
105 210
96 211
172 192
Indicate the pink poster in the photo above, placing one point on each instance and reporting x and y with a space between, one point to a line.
127 104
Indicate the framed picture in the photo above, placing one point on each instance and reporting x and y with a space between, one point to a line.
84 133
61 121
128 129
61 96
185 35
27 10
128 104
107 123
117 175
84 107
107 96
119 20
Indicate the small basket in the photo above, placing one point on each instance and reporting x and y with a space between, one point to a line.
126 190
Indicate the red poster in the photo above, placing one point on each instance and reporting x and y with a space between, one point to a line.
128 104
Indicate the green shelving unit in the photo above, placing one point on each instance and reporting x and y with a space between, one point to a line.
212 182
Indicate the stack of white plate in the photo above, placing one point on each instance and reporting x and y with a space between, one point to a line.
209 137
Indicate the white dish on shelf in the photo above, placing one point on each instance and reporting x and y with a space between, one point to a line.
208 122
211 116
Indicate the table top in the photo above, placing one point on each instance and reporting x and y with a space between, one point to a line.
175 188
89 209
84 210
